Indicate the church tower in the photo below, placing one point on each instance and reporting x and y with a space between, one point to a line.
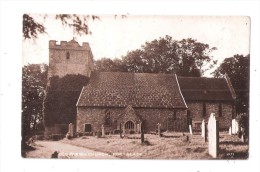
69 58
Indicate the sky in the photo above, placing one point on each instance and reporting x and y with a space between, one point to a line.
113 37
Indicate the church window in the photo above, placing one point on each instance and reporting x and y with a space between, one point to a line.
129 125
87 127
68 55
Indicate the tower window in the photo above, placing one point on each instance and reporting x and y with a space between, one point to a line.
68 55
87 127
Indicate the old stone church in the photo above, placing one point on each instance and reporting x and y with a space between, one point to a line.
127 100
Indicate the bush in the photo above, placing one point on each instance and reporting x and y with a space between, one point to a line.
243 121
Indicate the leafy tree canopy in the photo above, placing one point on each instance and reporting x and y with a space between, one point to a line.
61 98
34 80
237 69
79 23
187 57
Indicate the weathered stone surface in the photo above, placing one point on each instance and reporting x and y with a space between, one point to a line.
159 129
69 58
213 136
150 118
196 112
235 126
103 131
190 129
204 131
71 130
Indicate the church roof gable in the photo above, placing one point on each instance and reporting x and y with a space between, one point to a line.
205 89
119 89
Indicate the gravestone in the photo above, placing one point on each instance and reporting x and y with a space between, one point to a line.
190 129
230 131
204 130
235 126
213 136
138 128
120 128
159 129
103 130
71 130
142 133
242 138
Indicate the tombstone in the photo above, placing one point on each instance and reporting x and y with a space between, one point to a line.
242 138
235 126
142 133
138 128
71 130
159 129
204 130
213 136
230 131
190 129
103 130
120 128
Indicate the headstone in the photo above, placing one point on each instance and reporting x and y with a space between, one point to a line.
235 126
190 128
159 129
120 128
138 128
142 133
213 136
242 138
98 134
204 130
230 131
103 130
70 132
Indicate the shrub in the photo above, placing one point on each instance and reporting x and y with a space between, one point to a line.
243 121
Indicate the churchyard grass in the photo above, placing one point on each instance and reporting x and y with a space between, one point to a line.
169 146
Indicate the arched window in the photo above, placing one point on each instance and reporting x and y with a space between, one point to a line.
129 125
68 55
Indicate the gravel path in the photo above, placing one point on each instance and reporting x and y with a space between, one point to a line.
44 149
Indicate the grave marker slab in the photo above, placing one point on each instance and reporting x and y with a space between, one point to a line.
213 136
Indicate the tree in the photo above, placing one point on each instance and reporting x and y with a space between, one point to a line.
61 98
109 65
79 23
237 69
164 55
34 80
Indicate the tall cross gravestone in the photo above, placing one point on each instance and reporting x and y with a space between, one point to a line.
213 136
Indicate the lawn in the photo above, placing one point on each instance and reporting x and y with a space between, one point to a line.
170 146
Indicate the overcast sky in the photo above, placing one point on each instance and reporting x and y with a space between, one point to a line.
114 37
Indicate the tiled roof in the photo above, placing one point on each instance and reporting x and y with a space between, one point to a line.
119 89
199 88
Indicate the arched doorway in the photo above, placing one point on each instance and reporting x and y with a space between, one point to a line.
129 127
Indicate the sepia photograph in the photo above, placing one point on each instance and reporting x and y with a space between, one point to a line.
162 87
